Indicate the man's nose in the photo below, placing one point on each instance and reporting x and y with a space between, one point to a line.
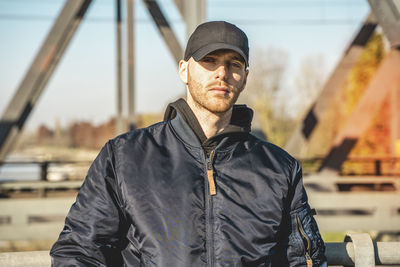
222 71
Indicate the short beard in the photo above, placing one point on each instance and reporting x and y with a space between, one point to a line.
200 99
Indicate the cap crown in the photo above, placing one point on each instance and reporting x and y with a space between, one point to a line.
216 35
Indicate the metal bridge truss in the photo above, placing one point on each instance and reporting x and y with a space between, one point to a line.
58 39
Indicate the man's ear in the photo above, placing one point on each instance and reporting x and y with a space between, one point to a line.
183 71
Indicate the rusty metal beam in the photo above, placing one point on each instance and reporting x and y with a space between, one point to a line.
303 133
41 69
386 79
385 82
387 12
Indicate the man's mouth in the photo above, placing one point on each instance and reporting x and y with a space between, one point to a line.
220 89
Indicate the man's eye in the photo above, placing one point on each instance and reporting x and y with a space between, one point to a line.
237 64
208 60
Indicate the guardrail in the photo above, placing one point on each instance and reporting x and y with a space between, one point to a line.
377 166
366 211
38 188
43 218
53 170
358 251
33 219
63 169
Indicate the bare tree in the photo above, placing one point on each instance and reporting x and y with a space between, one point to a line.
309 81
262 92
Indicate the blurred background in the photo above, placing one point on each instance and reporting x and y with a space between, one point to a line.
324 84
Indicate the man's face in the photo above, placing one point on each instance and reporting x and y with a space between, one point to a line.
215 81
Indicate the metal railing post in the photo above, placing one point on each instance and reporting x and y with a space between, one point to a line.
364 255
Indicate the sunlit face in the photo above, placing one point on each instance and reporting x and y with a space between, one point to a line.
214 82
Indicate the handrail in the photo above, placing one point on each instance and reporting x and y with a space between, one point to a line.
379 166
345 253
44 165
30 258
360 251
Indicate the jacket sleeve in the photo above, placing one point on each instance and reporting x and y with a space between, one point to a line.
305 245
92 235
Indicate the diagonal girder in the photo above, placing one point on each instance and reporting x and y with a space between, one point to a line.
303 133
165 29
386 79
193 12
40 71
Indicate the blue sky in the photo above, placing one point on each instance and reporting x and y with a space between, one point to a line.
83 87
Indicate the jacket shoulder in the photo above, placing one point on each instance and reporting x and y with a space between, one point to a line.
138 134
274 151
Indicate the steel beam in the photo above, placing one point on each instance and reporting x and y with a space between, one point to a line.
386 79
41 69
384 253
131 64
395 126
119 120
387 12
303 133
193 12
165 29
385 82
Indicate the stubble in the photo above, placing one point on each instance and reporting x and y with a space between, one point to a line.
212 102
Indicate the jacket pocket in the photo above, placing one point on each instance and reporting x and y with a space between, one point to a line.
306 240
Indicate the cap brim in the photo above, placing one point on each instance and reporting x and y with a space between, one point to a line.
205 50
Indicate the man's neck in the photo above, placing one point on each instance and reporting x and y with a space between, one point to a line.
211 123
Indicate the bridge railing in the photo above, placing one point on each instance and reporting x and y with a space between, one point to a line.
33 219
365 211
76 170
359 251
44 170
378 166
43 218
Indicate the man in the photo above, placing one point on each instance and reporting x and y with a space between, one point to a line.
196 189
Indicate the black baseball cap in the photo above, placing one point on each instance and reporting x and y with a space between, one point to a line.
215 35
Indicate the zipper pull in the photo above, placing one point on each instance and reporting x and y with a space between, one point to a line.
308 260
210 175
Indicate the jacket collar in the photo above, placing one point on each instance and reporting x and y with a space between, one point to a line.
186 125
184 131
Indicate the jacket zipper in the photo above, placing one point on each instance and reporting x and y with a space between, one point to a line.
209 207
210 175
305 237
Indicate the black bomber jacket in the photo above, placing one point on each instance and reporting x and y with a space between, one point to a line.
161 196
